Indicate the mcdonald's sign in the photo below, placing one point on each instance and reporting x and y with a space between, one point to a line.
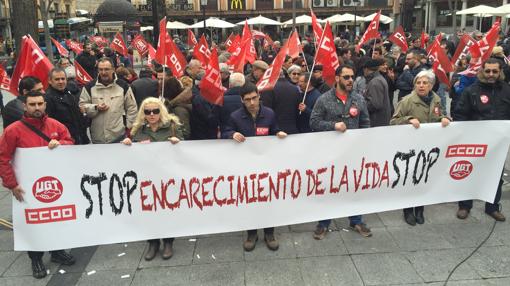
237 4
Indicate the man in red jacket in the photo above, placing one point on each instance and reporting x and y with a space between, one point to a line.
35 129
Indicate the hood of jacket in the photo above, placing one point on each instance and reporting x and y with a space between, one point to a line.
182 98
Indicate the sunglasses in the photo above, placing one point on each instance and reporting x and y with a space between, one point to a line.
151 111
491 71
346 77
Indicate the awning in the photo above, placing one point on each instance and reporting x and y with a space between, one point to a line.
76 20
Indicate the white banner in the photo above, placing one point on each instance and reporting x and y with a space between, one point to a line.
100 194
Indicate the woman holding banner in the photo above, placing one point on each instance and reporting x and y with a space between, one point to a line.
421 106
154 124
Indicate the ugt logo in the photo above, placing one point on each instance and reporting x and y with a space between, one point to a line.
47 189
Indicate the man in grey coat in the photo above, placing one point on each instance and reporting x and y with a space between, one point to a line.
376 94
340 109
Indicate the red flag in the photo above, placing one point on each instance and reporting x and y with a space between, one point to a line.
202 52
61 50
317 28
326 54
372 31
424 39
151 55
234 44
229 40
258 34
5 80
440 73
245 52
437 41
271 75
294 45
162 50
210 86
118 45
482 50
399 38
192 40
140 45
437 54
268 41
175 59
81 74
77 48
99 40
31 61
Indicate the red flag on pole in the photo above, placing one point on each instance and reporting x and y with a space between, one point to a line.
326 54
140 45
210 86
5 80
192 40
271 75
234 44
175 59
294 45
268 41
162 41
61 50
372 31
245 52
99 40
317 28
399 38
118 45
437 54
77 48
81 74
462 48
437 41
424 38
151 55
482 50
258 34
229 40
31 61
202 52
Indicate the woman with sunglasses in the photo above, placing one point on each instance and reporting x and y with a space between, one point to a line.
421 106
154 124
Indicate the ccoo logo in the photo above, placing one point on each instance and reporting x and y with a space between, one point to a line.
47 189
461 169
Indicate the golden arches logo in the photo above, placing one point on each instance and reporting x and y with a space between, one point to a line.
236 4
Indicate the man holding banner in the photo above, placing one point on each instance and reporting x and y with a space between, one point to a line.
35 129
340 109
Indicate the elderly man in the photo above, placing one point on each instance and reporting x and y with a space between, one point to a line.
193 69
340 109
486 99
376 94
225 75
63 106
33 130
258 68
231 99
106 101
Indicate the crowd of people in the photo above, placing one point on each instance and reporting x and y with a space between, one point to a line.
121 106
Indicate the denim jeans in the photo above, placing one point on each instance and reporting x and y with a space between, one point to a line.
353 220
489 207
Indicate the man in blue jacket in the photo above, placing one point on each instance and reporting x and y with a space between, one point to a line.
253 119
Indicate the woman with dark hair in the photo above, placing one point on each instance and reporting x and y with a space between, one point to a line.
178 101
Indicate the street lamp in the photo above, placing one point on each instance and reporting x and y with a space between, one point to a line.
203 3
355 4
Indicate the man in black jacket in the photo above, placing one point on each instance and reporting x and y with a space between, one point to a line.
63 106
13 110
486 99
145 86
87 60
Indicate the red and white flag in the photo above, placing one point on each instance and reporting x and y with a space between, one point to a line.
61 50
202 52
424 39
245 52
268 41
481 51
210 86
118 45
436 42
462 51
31 61
441 63
140 45
234 46
258 34
230 40
294 45
317 28
372 31
192 40
326 55
81 74
151 55
399 38
175 59
162 49
5 80
271 75
99 40
77 48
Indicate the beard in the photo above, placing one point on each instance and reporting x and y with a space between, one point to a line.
36 114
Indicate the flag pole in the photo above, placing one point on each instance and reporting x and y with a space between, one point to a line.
163 81
313 65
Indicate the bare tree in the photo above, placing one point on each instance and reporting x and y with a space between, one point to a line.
44 7
24 20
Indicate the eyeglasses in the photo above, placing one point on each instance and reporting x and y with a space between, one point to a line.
491 71
151 111
295 73
346 77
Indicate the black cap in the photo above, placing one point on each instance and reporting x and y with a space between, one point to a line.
372 63
317 68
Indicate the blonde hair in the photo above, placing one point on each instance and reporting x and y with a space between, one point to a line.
164 116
